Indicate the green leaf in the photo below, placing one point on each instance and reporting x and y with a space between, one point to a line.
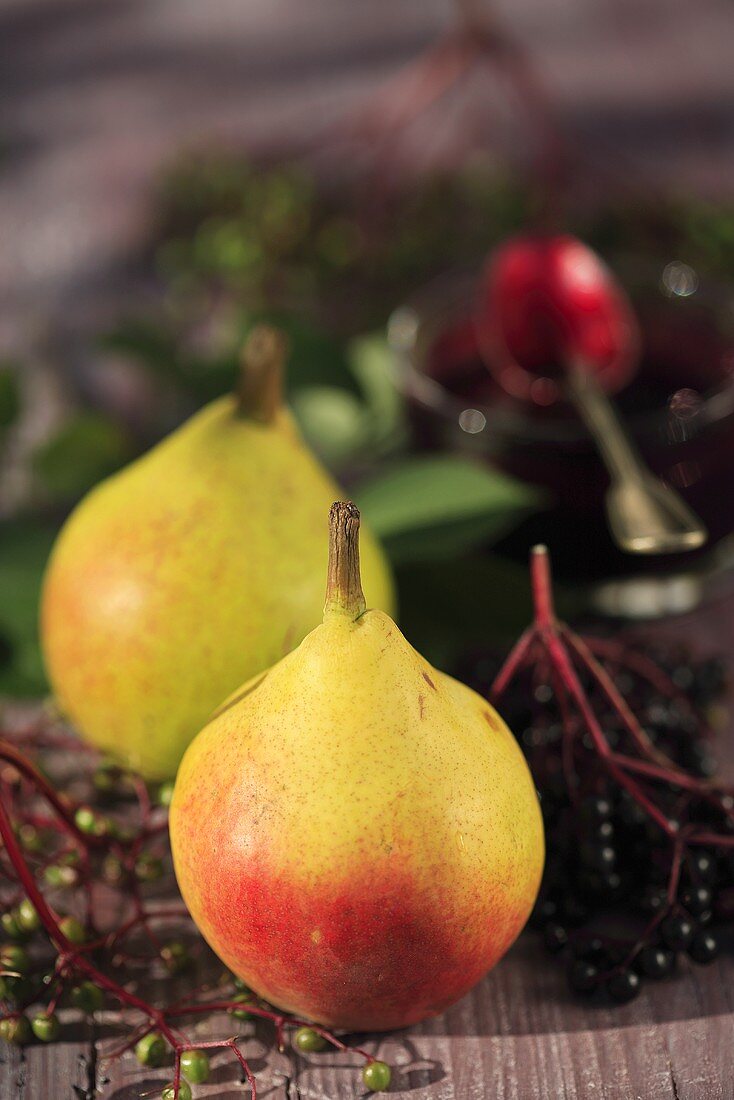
371 362
24 550
342 426
333 421
87 448
428 509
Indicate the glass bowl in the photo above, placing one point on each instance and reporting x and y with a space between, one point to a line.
679 410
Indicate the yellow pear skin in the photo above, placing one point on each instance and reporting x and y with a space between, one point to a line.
356 834
196 567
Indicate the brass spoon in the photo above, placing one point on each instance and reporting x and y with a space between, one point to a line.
645 515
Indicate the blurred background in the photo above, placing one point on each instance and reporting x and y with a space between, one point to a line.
172 172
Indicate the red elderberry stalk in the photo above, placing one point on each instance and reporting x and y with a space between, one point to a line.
565 659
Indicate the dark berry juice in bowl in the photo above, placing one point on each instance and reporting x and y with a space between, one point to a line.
678 408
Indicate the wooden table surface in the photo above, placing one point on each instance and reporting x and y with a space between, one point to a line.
519 1035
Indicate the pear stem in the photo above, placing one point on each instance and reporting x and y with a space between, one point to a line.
344 595
260 387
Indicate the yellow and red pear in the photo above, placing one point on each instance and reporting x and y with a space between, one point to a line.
193 569
356 834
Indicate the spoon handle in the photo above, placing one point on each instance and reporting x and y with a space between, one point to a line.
599 415
645 515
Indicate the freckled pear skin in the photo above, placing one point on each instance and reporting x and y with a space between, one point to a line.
357 835
185 574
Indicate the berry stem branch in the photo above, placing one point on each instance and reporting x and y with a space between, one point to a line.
86 960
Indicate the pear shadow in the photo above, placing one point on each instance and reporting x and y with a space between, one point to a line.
144 1087
526 994
229 1072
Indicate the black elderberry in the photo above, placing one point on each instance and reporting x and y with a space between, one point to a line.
656 962
609 884
727 868
677 931
601 857
704 947
583 976
591 948
702 865
652 900
630 813
683 677
656 835
544 911
697 899
624 987
657 871
698 758
659 718
595 808
574 910
555 937
601 832
598 885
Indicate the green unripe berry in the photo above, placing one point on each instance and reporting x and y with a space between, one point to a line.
85 820
57 875
106 778
165 793
309 1041
46 1027
9 925
176 957
151 1050
240 985
26 916
112 870
241 1013
149 868
195 1066
30 838
16 1029
14 958
87 996
184 1092
376 1076
73 930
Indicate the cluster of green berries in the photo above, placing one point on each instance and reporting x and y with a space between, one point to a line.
153 1050
20 922
20 1030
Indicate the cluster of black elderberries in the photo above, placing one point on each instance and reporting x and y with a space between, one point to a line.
622 897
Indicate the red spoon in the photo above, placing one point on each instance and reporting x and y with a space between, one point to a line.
551 320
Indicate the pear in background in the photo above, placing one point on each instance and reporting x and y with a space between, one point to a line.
357 835
191 570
